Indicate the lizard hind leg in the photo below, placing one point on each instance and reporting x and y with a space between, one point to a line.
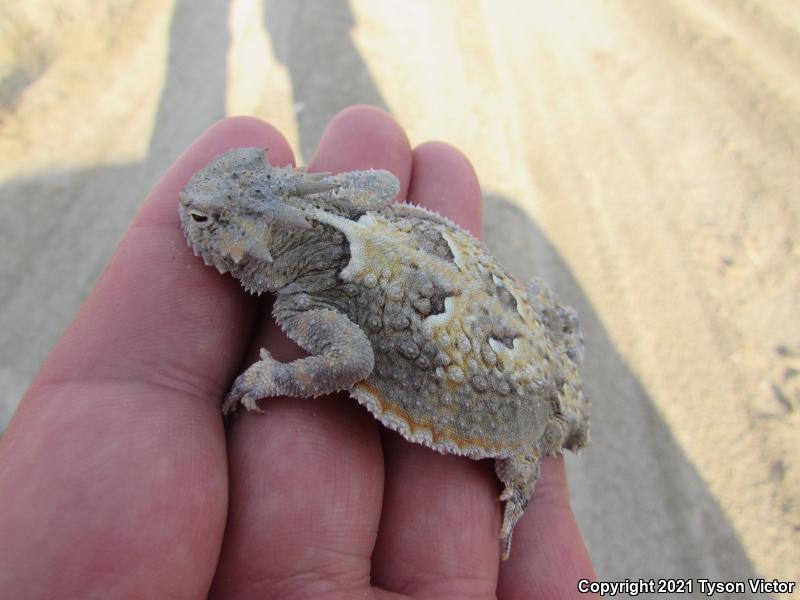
518 474
563 322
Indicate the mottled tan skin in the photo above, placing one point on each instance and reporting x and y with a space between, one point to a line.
398 306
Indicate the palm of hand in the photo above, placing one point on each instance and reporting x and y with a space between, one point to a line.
116 480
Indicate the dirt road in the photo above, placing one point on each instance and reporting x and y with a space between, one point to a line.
642 157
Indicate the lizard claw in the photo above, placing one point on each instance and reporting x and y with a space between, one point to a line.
248 388
229 405
238 396
250 402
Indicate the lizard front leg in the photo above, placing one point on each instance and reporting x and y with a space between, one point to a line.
341 357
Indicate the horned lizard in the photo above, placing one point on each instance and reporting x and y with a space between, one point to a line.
398 306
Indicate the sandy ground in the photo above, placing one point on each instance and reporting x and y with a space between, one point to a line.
640 156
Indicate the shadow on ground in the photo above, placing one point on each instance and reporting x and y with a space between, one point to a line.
327 73
643 507
59 229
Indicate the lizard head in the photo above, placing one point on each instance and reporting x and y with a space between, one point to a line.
230 208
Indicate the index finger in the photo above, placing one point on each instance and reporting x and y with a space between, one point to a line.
112 472
307 476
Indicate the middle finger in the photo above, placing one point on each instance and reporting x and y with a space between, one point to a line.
439 528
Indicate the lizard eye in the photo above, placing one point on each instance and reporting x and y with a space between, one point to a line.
198 217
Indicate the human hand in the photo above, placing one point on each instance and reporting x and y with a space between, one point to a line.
115 479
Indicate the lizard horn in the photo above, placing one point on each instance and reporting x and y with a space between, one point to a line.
289 216
311 186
